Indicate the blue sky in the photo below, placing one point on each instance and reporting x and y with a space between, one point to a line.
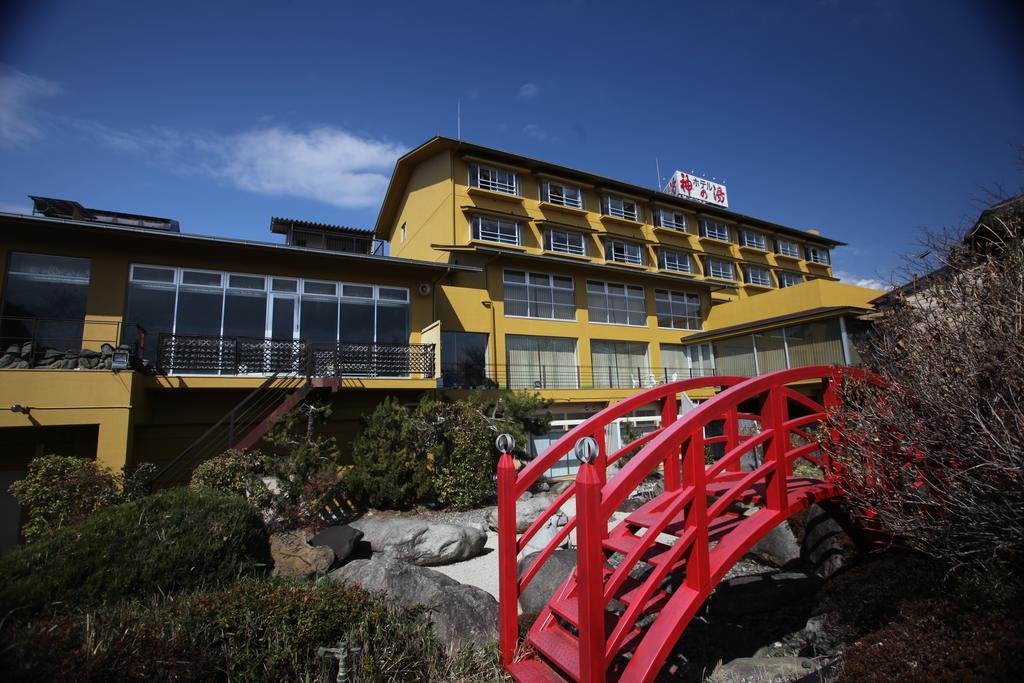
868 120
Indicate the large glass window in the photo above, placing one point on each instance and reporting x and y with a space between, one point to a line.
565 242
620 207
817 255
785 247
756 275
494 179
817 343
464 359
771 351
392 314
753 239
678 261
618 364
678 310
488 229
620 251
608 302
245 306
714 230
735 356
541 362
45 297
561 194
789 279
538 295
682 362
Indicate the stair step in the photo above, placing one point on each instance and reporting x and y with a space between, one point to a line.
557 645
534 671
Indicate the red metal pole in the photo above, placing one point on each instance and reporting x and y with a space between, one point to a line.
508 578
673 466
589 580
697 566
732 434
775 451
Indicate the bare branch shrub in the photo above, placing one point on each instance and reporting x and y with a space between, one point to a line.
935 450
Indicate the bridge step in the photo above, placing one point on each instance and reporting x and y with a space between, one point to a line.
558 646
534 671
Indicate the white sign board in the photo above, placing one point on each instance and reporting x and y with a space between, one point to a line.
690 186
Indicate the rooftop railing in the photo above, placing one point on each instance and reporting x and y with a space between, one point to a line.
560 376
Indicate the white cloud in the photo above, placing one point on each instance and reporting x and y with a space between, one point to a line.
18 93
528 91
869 282
326 164
534 131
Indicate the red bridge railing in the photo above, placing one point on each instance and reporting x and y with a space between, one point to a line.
579 635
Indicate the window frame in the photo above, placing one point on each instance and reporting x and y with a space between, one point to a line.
530 303
629 293
709 268
608 210
476 232
816 254
512 189
545 195
663 254
753 239
670 296
549 243
783 275
787 247
659 217
610 247
749 269
706 225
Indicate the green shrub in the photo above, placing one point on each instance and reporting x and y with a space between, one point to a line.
388 470
255 630
235 473
168 541
58 491
464 459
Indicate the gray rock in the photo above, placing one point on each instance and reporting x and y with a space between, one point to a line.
7 360
106 349
527 511
763 670
825 545
293 556
778 548
459 614
560 486
549 578
420 542
341 539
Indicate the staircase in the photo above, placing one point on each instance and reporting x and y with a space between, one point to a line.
639 583
244 425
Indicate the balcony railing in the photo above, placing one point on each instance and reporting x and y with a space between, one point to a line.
218 355
558 376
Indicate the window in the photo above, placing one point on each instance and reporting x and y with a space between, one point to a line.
714 230
565 242
755 275
488 229
608 302
561 194
620 207
678 261
667 218
735 356
789 279
464 359
403 232
620 364
817 255
538 295
816 343
753 239
624 252
785 247
677 310
541 362
723 270
50 290
683 362
494 179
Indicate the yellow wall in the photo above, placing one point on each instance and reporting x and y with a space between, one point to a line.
790 301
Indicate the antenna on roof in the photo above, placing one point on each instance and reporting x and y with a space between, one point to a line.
458 119
657 169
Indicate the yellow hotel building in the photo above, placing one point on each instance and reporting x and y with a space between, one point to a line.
124 339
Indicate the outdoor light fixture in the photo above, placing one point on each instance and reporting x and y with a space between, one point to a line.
586 450
18 408
121 360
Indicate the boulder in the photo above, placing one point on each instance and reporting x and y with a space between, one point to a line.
549 578
825 545
293 556
421 542
527 511
546 534
778 548
459 614
341 539
763 670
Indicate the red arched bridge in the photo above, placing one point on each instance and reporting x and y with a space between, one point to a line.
638 584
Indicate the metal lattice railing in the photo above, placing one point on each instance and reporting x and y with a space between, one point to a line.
209 354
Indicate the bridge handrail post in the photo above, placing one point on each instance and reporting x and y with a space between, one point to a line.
774 417
591 530
697 566
673 463
508 578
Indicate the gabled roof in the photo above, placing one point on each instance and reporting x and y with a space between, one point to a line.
405 165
